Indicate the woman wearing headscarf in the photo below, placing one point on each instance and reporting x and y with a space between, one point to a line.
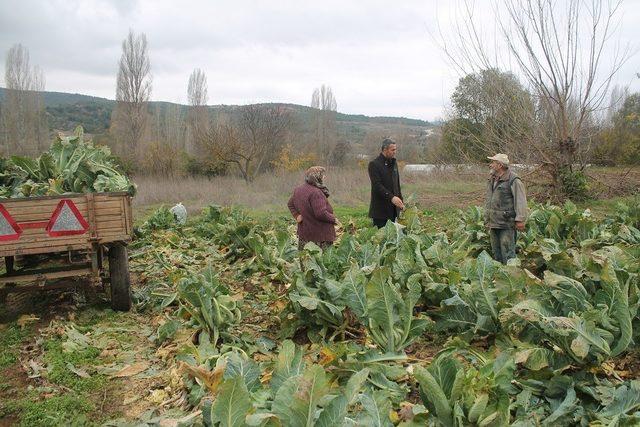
310 207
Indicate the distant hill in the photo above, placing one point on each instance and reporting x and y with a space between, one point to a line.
63 98
67 109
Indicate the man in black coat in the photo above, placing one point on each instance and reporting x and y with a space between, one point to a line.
386 197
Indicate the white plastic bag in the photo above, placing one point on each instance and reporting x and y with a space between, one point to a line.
180 213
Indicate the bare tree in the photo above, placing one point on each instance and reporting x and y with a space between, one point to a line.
198 113
23 119
372 140
163 149
563 53
174 126
324 121
252 140
197 88
169 125
133 90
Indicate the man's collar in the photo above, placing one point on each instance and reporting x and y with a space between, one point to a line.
503 177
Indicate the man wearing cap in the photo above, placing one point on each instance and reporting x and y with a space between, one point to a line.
505 208
386 197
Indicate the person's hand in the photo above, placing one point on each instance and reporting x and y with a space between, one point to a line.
520 225
397 201
299 219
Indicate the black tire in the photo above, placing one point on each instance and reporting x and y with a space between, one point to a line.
8 264
120 280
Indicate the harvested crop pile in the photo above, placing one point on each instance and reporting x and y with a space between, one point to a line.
71 165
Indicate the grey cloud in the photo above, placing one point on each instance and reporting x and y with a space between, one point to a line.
72 35
377 55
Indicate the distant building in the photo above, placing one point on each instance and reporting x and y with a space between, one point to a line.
428 168
420 168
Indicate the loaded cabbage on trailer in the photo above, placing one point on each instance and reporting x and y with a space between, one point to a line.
64 215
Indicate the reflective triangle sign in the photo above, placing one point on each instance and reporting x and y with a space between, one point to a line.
9 229
66 220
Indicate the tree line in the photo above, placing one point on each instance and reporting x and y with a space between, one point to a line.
545 98
248 141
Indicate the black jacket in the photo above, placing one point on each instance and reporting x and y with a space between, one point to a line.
385 183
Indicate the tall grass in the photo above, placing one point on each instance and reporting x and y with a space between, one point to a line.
270 192
438 191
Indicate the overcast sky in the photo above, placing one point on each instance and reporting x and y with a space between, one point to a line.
377 56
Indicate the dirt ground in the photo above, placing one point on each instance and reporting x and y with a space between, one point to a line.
124 376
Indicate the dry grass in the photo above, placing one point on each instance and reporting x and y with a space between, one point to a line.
445 190
267 192
350 188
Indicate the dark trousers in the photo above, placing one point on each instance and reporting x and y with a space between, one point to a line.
503 244
381 222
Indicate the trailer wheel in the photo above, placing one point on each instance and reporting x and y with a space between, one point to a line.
8 264
120 280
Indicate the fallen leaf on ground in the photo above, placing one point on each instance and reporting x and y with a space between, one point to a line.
108 353
158 396
79 372
211 379
75 340
266 377
131 370
406 411
35 368
130 400
326 356
186 420
25 319
279 305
